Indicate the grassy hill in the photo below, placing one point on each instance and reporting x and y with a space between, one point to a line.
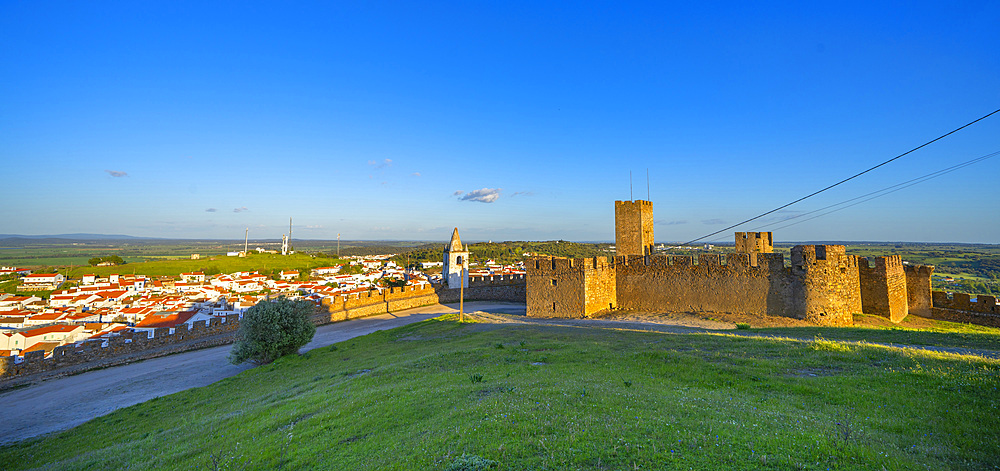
542 397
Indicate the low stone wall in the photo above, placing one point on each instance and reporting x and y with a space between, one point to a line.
134 346
497 288
126 348
954 315
958 307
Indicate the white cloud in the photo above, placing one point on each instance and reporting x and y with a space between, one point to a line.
116 173
380 164
415 174
522 193
211 210
485 195
240 209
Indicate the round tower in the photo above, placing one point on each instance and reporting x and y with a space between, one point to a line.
826 288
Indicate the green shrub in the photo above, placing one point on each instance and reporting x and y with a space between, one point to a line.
471 463
272 329
742 325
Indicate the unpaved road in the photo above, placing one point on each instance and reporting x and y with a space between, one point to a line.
62 403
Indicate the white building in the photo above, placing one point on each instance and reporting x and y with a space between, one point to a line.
456 263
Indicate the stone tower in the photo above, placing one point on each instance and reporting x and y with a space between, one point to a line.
456 263
634 227
754 242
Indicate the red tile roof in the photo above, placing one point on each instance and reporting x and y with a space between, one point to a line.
166 319
51 329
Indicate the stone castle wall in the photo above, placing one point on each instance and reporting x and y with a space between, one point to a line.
883 287
959 308
681 283
126 348
565 287
134 346
821 286
918 289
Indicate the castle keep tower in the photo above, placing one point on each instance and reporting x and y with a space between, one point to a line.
456 263
754 242
633 227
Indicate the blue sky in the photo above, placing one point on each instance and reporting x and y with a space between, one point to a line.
511 121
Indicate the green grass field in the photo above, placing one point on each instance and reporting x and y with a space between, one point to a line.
537 397
265 263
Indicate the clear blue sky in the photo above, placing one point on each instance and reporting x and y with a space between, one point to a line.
198 119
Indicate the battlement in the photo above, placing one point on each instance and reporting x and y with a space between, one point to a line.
493 280
803 255
985 304
545 265
129 346
880 263
922 270
639 203
755 242
407 291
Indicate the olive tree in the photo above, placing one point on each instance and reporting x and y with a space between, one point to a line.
272 329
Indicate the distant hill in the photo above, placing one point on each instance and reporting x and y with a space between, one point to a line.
80 236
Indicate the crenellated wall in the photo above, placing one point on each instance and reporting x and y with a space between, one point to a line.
742 284
918 289
566 287
129 347
824 281
493 288
821 286
883 287
959 308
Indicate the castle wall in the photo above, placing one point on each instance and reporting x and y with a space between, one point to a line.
918 289
825 285
677 283
129 347
883 287
600 285
633 227
556 287
754 242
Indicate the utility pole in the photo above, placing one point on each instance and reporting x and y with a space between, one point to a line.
461 297
338 245
246 242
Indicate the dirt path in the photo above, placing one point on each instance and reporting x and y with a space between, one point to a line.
61 403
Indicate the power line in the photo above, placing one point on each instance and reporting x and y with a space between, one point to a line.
888 190
847 179
877 193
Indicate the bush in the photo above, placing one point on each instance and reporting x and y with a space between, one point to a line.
472 463
272 329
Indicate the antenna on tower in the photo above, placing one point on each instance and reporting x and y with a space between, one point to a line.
630 185
647 185
246 242
289 232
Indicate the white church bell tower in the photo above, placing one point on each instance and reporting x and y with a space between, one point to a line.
456 263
